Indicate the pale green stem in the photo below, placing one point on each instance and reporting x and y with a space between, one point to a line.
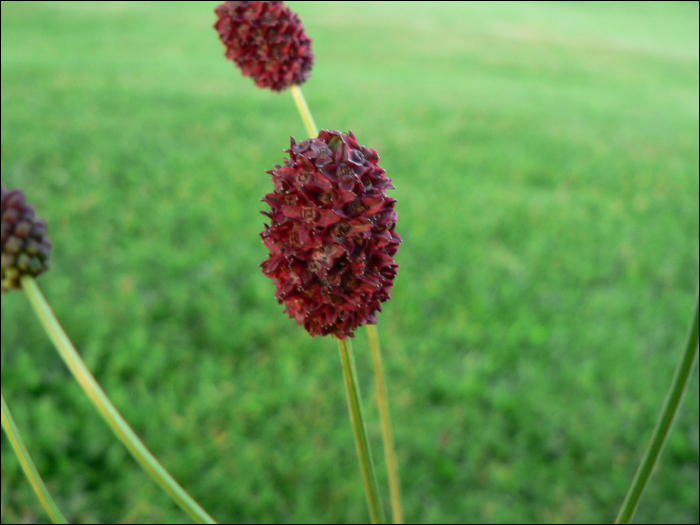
308 120
304 111
358 426
105 407
28 465
668 412
387 434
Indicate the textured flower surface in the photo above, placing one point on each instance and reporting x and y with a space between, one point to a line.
25 245
267 41
331 237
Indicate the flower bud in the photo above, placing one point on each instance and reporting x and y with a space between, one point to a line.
25 244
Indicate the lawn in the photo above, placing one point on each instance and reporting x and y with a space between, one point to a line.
545 158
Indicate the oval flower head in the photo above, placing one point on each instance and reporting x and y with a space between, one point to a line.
25 245
331 234
267 42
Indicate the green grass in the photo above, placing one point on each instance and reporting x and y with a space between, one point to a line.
545 158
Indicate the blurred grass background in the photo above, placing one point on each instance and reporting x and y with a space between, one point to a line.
545 157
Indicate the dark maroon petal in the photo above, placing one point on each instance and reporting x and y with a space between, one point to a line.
304 231
373 203
326 218
296 212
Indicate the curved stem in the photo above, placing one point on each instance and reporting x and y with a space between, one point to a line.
387 433
28 465
358 426
304 111
105 407
668 412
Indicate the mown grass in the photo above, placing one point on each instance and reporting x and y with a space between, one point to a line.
545 158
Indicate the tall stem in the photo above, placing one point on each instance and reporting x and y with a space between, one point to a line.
304 111
668 412
8 423
387 434
358 426
105 407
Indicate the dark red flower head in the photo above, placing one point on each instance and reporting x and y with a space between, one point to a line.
331 235
267 41
25 245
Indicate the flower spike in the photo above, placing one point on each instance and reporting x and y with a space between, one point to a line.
267 42
331 237
25 244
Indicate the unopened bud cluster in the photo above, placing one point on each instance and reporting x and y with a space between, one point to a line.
25 245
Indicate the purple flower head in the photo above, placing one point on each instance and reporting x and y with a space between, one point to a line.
25 245
267 42
331 235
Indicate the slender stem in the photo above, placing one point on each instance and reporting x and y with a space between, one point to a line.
304 111
387 434
673 400
358 426
8 423
105 407
379 376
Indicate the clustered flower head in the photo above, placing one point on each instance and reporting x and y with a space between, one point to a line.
25 245
267 41
331 237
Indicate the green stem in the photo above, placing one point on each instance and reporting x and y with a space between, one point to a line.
105 407
358 426
304 111
394 484
668 412
28 465
387 434
380 381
